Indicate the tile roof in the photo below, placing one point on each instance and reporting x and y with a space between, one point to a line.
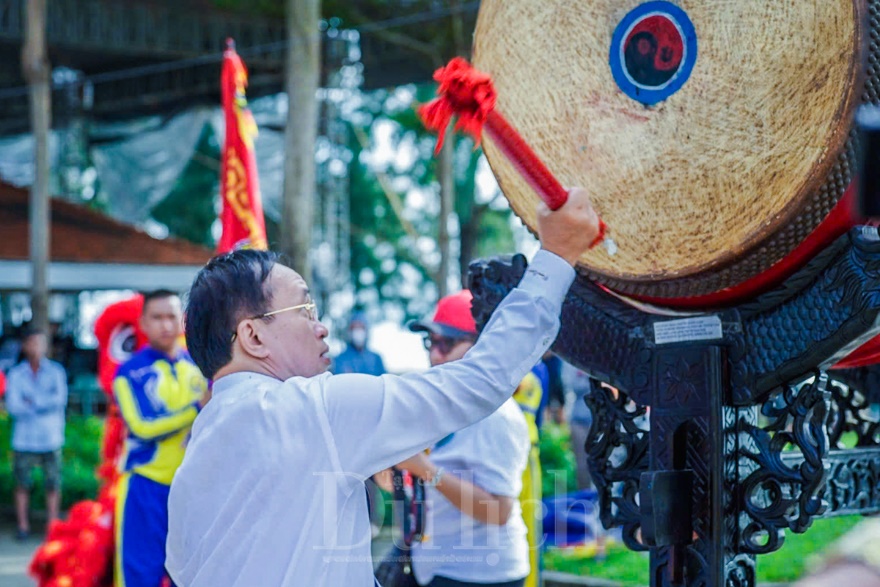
80 234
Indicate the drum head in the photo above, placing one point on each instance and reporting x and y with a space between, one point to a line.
706 131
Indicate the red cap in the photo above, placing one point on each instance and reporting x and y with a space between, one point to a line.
452 318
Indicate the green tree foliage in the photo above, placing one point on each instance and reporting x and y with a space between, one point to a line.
383 255
483 219
484 224
435 39
386 241
189 210
558 468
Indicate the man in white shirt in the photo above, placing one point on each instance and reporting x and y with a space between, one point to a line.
270 492
475 534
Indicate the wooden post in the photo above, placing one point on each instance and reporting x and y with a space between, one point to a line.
303 75
35 66
446 178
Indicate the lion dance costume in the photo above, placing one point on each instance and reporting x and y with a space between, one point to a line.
78 552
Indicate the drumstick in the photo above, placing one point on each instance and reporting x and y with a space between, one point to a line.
470 94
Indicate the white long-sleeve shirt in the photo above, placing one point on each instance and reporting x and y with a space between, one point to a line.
36 402
491 454
271 493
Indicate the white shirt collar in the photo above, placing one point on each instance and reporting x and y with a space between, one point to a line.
235 379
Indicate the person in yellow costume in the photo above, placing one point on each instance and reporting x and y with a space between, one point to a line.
160 391
528 395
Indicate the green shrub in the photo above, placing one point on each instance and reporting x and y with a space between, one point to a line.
630 569
558 473
81 456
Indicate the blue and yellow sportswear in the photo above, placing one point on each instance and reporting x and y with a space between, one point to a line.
158 397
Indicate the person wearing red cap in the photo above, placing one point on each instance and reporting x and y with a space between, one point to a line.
451 327
271 489
475 532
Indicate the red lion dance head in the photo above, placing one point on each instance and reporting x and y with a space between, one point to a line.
119 335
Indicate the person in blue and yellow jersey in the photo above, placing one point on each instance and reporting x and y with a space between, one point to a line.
528 395
159 391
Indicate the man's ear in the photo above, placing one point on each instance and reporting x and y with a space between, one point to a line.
250 340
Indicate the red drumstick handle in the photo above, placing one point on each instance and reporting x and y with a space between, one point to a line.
470 94
518 151
530 166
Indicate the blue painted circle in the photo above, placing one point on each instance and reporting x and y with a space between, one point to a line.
654 86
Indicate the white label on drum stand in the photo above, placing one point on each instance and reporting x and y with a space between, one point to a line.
687 329
870 233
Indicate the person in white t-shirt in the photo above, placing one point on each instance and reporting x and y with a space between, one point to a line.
475 533
271 489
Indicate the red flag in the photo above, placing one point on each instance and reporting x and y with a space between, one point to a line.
242 216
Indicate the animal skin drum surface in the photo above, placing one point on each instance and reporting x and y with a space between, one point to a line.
713 136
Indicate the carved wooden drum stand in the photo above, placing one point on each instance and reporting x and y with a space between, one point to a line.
704 487
716 139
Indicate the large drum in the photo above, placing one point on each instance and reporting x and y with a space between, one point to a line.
714 136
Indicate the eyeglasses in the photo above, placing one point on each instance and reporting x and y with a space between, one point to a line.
443 344
310 307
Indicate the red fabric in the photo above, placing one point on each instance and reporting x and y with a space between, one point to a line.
78 551
867 354
470 94
118 331
464 92
2 384
111 447
242 218
455 310
600 236
119 335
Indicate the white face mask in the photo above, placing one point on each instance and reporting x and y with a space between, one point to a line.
358 337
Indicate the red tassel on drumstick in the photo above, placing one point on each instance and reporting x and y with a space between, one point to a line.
470 94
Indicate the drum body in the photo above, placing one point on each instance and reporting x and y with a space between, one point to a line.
715 137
